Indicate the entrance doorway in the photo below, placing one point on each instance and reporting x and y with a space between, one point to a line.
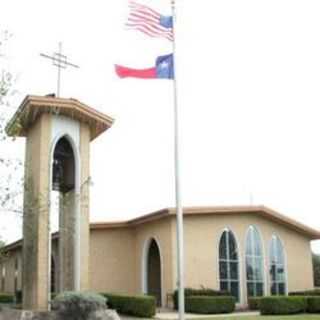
153 271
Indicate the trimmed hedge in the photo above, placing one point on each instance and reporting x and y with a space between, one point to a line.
283 305
139 306
313 304
6 298
254 303
314 292
18 296
210 304
188 292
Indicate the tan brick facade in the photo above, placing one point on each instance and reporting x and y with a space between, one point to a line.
111 266
118 252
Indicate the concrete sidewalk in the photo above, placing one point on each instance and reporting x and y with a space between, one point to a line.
171 315
175 316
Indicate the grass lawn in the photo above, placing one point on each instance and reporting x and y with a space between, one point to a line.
294 317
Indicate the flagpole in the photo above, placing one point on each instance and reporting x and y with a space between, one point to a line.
179 209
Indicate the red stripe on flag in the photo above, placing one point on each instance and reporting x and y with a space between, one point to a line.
124 72
139 16
141 6
146 13
150 27
141 27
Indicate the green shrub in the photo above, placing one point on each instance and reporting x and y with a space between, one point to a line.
197 292
210 304
77 305
313 304
280 305
18 296
139 306
6 298
314 292
254 303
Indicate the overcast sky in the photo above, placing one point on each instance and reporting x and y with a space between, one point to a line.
248 91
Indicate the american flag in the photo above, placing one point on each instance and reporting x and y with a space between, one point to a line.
149 21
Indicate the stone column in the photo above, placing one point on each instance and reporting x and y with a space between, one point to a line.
36 213
66 240
84 205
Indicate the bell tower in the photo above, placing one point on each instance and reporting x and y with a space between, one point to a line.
58 133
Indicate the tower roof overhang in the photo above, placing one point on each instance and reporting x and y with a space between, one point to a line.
33 106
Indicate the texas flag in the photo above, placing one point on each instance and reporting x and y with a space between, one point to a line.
163 69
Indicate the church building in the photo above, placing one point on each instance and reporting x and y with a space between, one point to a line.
250 251
247 250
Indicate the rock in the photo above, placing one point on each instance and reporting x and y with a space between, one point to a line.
6 314
106 314
27 315
11 314
42 316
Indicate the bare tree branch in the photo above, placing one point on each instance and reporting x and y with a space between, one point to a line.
11 182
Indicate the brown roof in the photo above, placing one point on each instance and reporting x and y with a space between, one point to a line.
32 106
195 211
215 210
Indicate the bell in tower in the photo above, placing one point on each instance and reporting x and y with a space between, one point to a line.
63 170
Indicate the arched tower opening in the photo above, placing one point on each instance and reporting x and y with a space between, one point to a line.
63 169
64 212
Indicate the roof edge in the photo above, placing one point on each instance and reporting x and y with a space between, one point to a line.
38 100
262 210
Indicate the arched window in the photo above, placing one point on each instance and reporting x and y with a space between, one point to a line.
229 264
277 267
254 263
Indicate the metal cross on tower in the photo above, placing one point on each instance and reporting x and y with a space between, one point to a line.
61 62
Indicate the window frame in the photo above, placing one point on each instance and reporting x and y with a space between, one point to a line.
229 280
273 252
250 236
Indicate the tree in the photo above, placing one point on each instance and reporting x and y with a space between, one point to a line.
10 167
